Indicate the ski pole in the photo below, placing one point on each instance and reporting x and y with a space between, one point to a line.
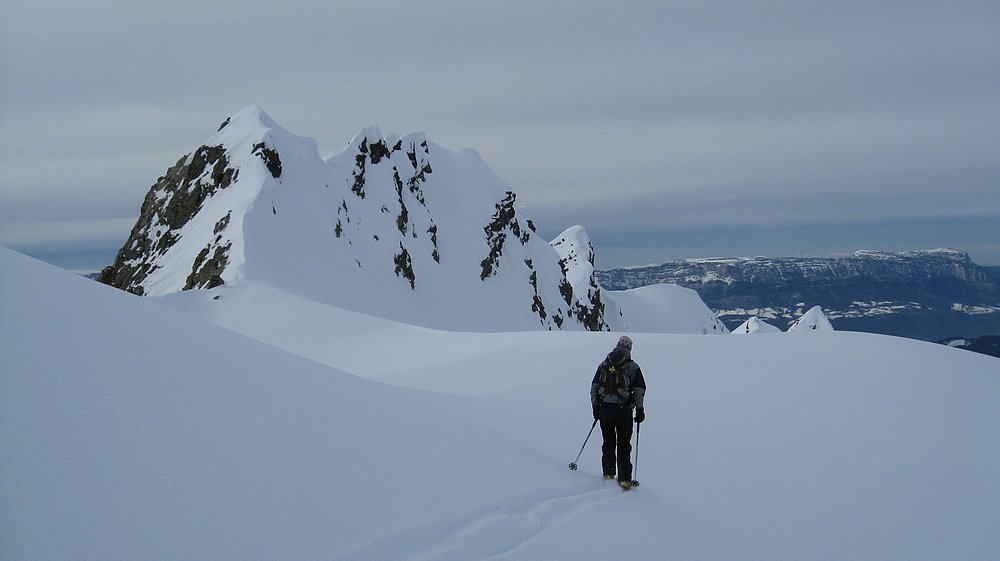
572 464
635 470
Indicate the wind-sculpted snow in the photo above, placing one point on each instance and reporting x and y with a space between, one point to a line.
131 430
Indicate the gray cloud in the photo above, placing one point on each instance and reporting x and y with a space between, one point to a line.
686 128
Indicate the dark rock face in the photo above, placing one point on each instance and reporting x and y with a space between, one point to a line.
171 202
207 272
404 266
537 305
433 231
270 157
376 153
926 295
358 187
592 315
504 222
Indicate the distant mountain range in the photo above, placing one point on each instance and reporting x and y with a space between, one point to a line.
930 295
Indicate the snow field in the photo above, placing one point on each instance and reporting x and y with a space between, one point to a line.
130 430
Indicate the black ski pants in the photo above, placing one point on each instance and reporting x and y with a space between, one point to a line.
616 427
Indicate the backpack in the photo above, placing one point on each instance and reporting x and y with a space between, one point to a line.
614 381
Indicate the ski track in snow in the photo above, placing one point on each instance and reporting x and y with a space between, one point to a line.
489 532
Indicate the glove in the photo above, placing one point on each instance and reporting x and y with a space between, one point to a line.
640 415
597 412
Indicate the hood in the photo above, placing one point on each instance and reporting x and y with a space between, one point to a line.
619 356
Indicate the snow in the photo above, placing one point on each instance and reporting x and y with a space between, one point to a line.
755 325
812 320
131 429
395 227
335 230
664 308
244 130
577 253
658 308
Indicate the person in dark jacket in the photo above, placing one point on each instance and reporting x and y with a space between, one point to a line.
617 389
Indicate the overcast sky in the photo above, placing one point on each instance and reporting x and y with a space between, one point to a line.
668 129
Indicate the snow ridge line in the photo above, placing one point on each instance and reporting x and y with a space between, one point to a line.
488 532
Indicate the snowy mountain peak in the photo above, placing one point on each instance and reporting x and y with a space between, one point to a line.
394 226
812 320
367 134
575 248
755 325
371 144
576 256
252 116
189 233
391 226
253 131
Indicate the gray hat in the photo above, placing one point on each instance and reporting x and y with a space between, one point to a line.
624 343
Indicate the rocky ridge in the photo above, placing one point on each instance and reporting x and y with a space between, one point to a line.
393 226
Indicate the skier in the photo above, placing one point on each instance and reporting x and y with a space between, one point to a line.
618 387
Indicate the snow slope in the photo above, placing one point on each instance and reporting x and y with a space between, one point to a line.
664 308
133 431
